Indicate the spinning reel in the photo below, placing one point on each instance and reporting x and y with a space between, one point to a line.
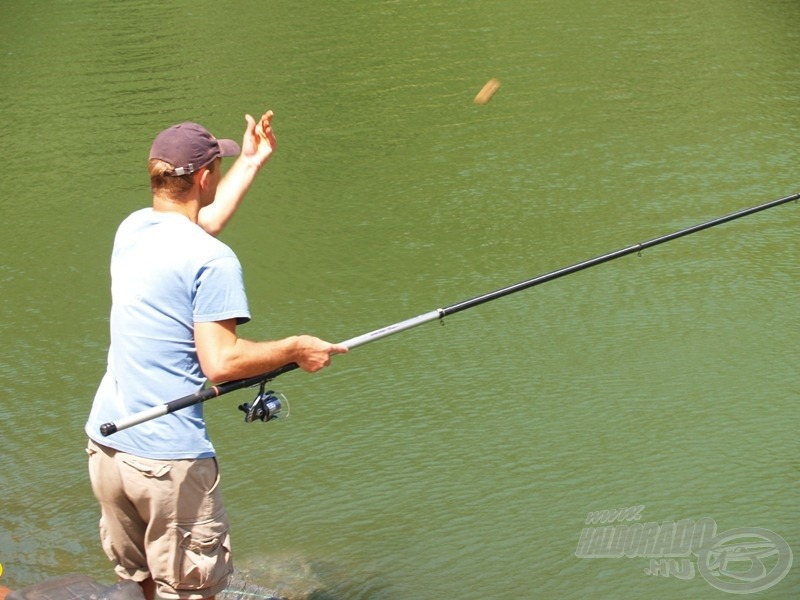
268 405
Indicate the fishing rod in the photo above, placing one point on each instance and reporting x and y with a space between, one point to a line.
267 405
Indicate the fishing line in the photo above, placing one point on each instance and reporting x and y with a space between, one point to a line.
268 405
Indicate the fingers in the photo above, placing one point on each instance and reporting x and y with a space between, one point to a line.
251 125
264 128
316 354
259 139
331 350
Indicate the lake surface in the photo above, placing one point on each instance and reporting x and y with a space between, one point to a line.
472 460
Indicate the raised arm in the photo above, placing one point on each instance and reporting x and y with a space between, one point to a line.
257 146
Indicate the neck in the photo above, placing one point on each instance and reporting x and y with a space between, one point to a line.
188 207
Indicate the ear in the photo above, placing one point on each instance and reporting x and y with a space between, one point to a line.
203 178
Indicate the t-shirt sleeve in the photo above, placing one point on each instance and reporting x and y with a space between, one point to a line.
219 292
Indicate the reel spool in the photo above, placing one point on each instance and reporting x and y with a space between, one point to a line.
266 406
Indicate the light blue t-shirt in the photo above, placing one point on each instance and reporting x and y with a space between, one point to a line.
166 275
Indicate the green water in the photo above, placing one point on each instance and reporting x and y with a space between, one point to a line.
445 462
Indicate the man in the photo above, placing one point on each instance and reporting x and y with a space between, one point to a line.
177 298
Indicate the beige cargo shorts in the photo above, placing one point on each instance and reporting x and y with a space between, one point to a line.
163 519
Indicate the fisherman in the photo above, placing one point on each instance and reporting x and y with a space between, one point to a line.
177 298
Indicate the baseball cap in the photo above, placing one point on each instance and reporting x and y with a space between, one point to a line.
189 147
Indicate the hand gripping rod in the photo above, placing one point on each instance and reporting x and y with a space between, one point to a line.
224 388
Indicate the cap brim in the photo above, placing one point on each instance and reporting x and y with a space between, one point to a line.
228 148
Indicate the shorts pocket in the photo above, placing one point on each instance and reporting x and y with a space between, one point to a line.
154 469
201 554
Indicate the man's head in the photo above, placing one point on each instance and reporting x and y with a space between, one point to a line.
181 151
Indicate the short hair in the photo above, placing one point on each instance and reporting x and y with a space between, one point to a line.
173 185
